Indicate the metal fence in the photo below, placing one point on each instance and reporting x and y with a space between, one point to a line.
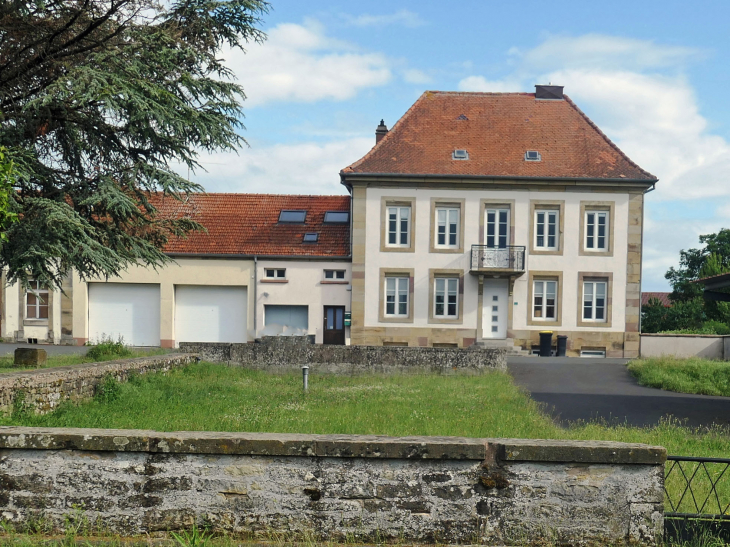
697 497
511 257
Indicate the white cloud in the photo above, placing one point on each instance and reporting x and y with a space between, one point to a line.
479 83
300 63
415 76
403 17
305 168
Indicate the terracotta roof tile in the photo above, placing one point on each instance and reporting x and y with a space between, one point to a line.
248 224
663 297
497 129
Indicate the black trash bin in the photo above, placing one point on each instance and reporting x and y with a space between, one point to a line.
562 345
546 343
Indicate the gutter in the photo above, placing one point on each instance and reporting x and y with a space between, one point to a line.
255 293
426 176
254 257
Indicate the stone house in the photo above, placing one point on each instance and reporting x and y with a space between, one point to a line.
489 217
268 264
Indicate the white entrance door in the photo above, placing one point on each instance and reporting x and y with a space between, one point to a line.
210 314
494 311
127 310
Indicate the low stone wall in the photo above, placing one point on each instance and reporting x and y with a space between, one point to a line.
422 489
42 390
686 345
285 353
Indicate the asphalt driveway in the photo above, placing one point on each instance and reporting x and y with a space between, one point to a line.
586 389
9 349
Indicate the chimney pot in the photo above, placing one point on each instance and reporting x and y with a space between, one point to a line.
550 92
381 131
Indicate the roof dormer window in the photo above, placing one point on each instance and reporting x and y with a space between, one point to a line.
292 217
460 154
533 155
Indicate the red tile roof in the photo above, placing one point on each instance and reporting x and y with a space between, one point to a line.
662 296
497 129
248 224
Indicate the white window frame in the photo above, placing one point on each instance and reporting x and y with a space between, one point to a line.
545 226
596 227
334 276
278 273
497 224
543 294
593 294
402 225
450 225
41 295
397 288
449 292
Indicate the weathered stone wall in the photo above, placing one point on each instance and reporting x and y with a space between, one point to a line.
291 352
42 390
685 345
425 489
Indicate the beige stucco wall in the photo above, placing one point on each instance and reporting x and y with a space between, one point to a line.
185 271
684 345
14 326
570 263
305 286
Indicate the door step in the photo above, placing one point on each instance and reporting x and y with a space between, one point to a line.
506 343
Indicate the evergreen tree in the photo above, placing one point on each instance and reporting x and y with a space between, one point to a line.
98 99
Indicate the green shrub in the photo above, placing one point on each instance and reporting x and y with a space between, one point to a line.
108 390
108 348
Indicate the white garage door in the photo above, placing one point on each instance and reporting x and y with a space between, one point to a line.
129 310
210 314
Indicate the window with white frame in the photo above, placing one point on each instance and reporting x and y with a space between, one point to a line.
396 296
497 228
545 303
334 275
596 229
546 229
36 301
446 297
399 226
594 300
447 227
274 273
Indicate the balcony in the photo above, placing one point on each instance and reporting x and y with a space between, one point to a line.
503 261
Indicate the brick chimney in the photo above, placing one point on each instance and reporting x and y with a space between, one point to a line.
380 132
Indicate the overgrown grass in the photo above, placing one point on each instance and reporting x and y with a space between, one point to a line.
207 397
6 361
691 375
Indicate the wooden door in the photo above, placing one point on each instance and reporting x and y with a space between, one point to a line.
334 325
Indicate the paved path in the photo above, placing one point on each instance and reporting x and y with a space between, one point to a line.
51 349
585 389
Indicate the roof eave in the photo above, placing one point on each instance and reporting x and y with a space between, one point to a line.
424 176
240 256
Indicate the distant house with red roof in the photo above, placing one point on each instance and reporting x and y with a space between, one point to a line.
663 297
489 217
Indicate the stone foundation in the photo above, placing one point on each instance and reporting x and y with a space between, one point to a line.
420 489
44 389
616 344
286 353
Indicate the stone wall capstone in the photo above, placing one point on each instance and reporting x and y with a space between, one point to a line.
286 353
42 390
420 489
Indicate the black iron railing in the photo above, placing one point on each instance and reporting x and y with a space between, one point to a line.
697 487
511 257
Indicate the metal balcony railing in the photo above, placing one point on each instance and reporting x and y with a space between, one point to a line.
486 258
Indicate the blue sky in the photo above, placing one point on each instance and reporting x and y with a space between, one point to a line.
653 76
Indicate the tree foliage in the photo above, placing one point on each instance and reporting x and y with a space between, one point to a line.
99 100
697 263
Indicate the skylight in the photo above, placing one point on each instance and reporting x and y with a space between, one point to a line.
293 217
311 237
533 155
336 217
462 118
460 155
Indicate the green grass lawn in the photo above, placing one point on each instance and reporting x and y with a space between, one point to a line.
692 375
218 398
6 361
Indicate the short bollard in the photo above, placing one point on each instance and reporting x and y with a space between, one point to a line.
305 377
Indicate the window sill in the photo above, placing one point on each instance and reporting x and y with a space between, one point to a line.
390 319
334 282
586 252
35 322
387 249
446 250
593 324
445 320
546 252
274 281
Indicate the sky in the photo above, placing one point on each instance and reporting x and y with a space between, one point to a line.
652 75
